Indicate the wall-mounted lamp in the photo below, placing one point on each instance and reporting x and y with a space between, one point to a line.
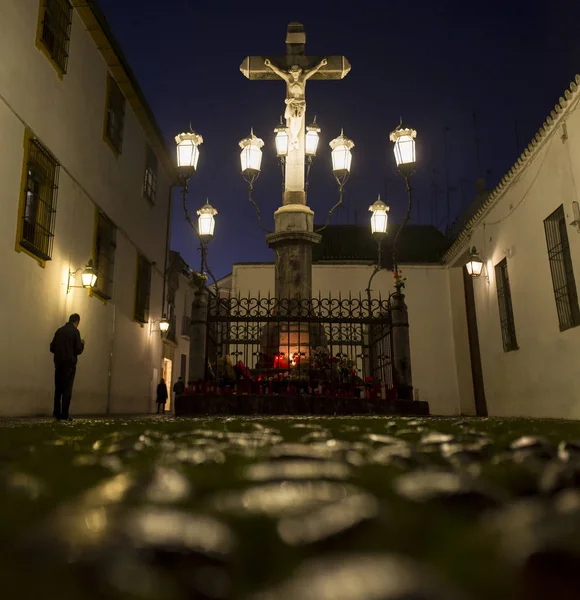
164 325
475 265
88 277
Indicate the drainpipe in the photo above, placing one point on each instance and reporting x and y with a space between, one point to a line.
167 236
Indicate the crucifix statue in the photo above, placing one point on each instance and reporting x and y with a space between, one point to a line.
295 79
295 68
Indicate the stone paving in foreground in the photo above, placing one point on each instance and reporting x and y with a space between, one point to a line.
300 508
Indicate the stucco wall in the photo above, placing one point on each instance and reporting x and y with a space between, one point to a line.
540 378
67 117
428 299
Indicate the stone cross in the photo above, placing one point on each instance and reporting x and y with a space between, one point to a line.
295 68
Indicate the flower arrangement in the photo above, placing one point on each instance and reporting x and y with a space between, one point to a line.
399 279
197 280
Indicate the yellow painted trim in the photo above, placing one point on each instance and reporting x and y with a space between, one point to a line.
28 135
40 44
106 138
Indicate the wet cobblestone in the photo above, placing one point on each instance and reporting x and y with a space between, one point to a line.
290 508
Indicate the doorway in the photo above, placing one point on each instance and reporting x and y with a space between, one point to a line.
167 373
474 350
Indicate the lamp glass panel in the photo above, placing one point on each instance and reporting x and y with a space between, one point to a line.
89 279
405 150
251 158
164 325
474 267
341 158
206 224
379 220
311 143
187 154
281 143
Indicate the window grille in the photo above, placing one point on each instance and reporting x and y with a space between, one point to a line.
105 248
506 313
150 183
39 214
562 271
115 115
55 30
143 290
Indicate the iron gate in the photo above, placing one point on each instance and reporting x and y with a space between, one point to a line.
309 342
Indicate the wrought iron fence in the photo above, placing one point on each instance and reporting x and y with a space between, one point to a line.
306 343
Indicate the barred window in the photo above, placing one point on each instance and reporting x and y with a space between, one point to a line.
39 202
506 313
150 183
115 115
563 281
105 248
55 25
143 289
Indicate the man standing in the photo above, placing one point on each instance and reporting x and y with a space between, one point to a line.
66 345
178 389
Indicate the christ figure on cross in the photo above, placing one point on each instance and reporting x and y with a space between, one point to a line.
295 79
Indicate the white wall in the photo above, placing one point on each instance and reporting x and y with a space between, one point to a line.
540 379
67 117
430 317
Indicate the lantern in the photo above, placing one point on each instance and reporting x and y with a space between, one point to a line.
188 152
341 155
404 148
281 140
205 220
251 155
379 217
475 265
89 276
312 138
164 324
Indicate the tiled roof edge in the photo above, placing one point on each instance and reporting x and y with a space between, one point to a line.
551 122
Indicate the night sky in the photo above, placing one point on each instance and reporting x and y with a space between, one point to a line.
433 63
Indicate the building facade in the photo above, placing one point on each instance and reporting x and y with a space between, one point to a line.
523 313
85 176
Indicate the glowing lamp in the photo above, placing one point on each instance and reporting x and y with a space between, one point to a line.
89 276
379 217
188 151
341 155
312 138
251 155
206 220
164 324
404 148
475 265
281 140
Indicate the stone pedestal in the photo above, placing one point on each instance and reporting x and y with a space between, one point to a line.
402 376
292 243
198 336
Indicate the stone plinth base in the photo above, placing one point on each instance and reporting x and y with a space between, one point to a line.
250 404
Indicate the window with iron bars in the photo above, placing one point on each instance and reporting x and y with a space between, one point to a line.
506 312
143 290
55 25
562 271
150 183
39 202
104 256
115 115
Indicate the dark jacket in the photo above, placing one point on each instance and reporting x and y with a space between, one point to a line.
161 393
66 345
179 388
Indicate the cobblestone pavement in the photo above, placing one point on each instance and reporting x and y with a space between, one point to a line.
290 509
